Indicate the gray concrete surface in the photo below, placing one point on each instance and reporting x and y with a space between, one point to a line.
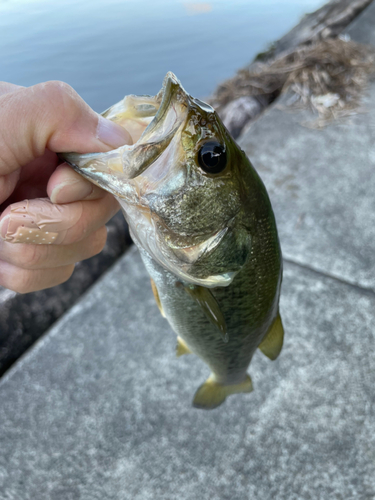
321 182
101 409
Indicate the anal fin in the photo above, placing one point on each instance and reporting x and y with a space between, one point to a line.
272 343
212 394
181 347
157 298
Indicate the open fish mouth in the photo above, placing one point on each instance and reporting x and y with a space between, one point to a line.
160 120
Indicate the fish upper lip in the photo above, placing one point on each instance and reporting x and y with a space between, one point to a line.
166 99
166 94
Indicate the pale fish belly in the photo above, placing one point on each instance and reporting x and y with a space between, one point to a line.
227 361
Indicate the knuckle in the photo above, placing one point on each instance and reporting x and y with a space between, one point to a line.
24 281
78 232
33 256
79 225
56 89
100 238
65 275
94 215
60 94
84 226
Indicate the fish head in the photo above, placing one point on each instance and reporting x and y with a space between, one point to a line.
182 184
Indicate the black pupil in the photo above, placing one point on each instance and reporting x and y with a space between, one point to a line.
212 157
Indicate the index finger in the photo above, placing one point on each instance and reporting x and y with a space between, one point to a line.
51 115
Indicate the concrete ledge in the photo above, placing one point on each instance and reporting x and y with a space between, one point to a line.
101 408
321 182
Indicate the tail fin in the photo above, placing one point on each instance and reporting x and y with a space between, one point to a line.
212 394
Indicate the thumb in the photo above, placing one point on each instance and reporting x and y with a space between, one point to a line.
51 115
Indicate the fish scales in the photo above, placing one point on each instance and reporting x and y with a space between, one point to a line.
202 220
248 320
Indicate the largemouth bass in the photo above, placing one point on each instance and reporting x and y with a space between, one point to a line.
202 220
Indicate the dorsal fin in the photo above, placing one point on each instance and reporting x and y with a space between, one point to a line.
205 299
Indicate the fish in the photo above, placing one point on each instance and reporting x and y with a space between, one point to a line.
203 223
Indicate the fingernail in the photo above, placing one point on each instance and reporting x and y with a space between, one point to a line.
112 134
67 192
38 222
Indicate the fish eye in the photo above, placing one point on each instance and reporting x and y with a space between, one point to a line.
212 157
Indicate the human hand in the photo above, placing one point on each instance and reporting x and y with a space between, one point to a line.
41 238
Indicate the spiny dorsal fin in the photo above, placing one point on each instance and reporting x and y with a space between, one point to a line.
203 296
211 394
272 343
181 347
157 298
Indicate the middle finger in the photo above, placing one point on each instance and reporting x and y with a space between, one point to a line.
50 256
41 222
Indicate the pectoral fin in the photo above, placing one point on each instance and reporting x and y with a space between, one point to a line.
272 343
208 303
157 298
212 394
181 347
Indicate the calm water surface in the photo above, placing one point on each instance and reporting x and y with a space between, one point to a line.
107 49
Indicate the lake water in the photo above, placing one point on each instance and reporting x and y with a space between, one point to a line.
107 49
